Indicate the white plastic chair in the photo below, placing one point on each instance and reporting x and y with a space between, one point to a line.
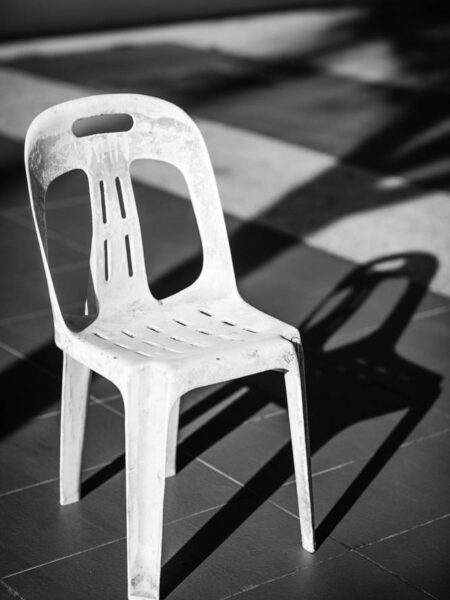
153 351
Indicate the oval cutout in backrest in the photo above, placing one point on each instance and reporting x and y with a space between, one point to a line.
171 239
102 124
69 224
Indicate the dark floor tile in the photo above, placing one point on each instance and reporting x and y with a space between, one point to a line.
36 529
34 338
348 576
27 392
7 359
427 341
206 556
368 500
242 449
231 404
70 286
13 188
71 221
30 454
443 404
102 388
419 556
21 295
292 283
18 298
20 254
73 185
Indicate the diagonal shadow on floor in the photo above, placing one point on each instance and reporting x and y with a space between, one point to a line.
347 391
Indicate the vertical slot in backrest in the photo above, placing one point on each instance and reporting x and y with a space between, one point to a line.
106 259
103 202
129 260
120 198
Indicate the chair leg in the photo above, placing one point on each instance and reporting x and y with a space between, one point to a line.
74 399
146 431
172 439
296 397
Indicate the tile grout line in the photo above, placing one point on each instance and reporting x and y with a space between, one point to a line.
249 588
107 407
396 575
432 312
99 401
51 480
423 438
29 361
10 590
334 468
109 543
276 413
244 486
196 514
50 562
285 510
13 351
213 468
442 412
394 535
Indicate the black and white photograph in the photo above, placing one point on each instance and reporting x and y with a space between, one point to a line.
224 300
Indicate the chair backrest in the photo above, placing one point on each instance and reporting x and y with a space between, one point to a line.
160 131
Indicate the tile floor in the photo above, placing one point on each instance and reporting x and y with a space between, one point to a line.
376 338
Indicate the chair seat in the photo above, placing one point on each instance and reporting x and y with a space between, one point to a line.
178 333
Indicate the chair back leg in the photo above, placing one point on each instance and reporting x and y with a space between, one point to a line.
296 399
172 440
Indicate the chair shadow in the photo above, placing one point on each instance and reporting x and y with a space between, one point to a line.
355 381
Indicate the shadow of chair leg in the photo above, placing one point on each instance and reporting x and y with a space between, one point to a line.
227 520
102 475
373 467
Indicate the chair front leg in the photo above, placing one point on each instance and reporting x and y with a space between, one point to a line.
296 398
74 400
147 412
